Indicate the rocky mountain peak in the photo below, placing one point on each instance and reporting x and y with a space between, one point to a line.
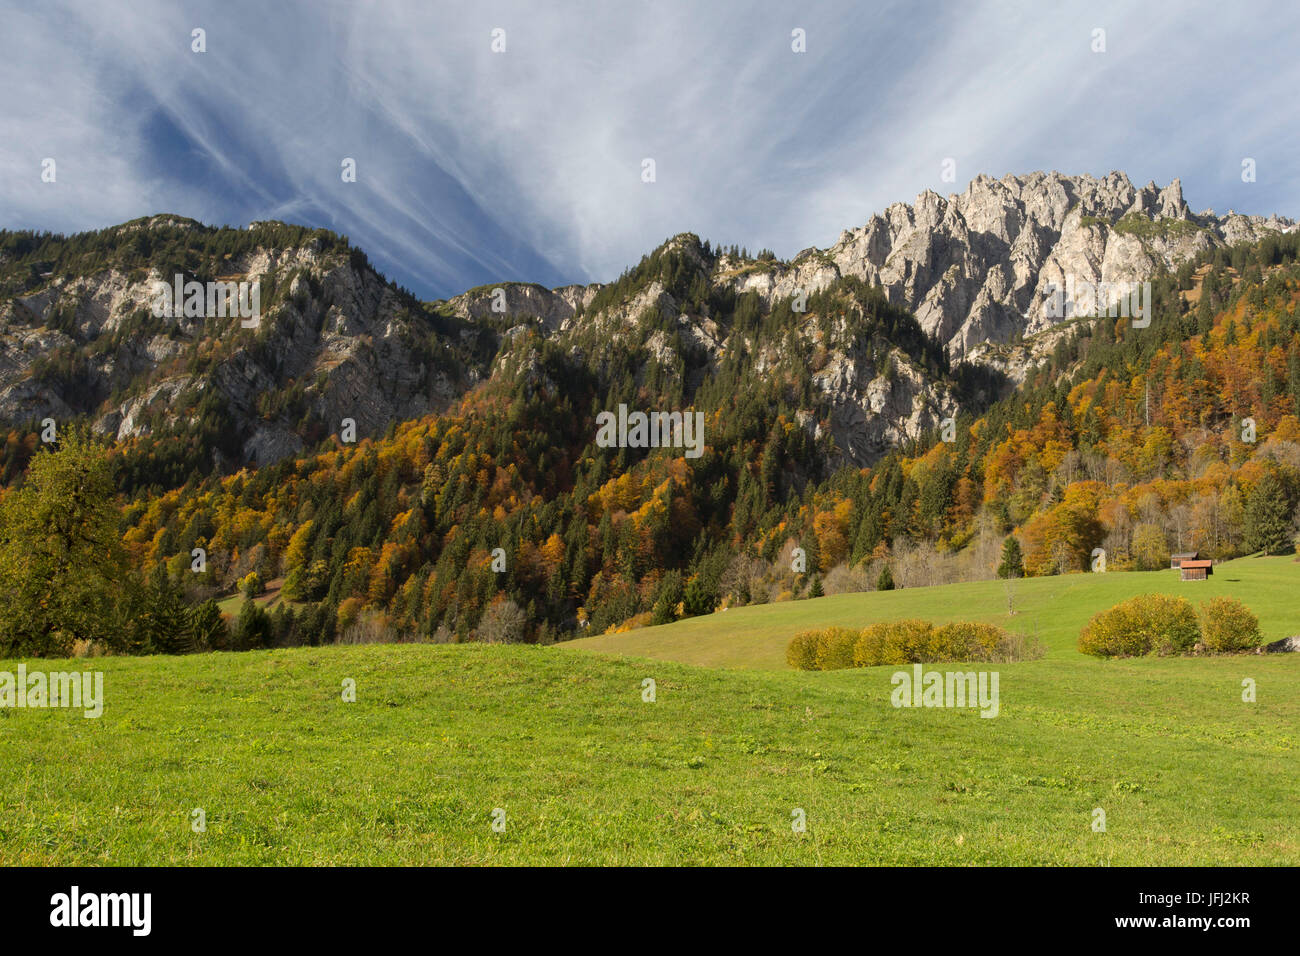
975 267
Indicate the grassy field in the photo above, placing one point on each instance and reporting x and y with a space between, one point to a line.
1055 608
587 772
711 771
268 601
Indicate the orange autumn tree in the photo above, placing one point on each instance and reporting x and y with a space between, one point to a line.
1062 538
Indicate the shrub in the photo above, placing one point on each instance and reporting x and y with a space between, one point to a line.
504 622
892 642
801 654
1228 625
348 612
1017 647
843 579
632 623
369 627
965 641
869 649
907 642
835 648
1142 625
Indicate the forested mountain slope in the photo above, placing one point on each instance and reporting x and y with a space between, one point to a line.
840 437
1133 440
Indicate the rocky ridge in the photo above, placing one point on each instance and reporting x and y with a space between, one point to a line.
337 341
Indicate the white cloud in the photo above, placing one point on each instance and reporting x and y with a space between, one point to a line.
474 165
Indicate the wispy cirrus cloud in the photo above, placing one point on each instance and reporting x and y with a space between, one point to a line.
475 166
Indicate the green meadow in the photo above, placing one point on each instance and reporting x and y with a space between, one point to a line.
1053 608
712 771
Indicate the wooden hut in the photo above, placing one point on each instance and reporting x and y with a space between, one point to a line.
1197 570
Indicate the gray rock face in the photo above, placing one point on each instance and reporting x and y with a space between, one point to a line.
868 399
344 337
549 308
975 267
871 413
1287 645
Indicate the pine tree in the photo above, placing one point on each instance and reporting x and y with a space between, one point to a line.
886 580
208 628
1268 516
1293 377
697 599
252 627
1013 562
670 595
162 622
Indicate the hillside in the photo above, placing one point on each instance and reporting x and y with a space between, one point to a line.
1052 608
478 508
193 394
840 438
1125 439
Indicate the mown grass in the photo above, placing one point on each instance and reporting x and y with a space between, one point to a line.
588 773
1053 608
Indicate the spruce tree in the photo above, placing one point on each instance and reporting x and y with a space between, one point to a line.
1013 562
208 628
1268 516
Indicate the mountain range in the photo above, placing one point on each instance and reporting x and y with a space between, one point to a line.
399 469
337 341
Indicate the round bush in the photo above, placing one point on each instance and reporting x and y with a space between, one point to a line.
835 648
891 642
869 648
965 641
911 638
801 653
920 642
1142 625
1228 625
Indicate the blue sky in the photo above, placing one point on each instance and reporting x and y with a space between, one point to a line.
475 166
